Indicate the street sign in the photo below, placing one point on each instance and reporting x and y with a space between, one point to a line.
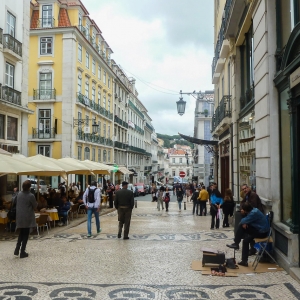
182 174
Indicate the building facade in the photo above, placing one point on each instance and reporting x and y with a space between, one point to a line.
256 75
14 51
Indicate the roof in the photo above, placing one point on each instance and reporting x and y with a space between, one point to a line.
64 20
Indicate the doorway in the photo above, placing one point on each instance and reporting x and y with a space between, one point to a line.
224 174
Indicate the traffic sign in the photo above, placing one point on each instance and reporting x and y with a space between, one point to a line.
182 174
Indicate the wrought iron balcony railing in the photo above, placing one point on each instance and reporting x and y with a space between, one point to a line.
82 29
93 138
47 94
46 133
12 44
136 149
222 111
11 95
148 154
132 106
139 129
46 23
120 145
149 126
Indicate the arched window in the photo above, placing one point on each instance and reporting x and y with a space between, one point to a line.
86 153
104 155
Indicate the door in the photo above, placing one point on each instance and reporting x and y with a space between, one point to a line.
44 124
45 86
47 16
224 174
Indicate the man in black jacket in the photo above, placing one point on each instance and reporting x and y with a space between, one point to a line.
124 202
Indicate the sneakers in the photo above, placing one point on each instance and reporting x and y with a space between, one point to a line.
89 235
126 238
16 253
99 230
234 246
243 263
23 255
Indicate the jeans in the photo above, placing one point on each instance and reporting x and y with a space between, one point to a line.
196 206
214 213
252 233
64 215
202 208
167 205
22 239
90 212
179 203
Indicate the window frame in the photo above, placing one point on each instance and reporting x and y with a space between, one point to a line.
8 75
47 44
93 66
87 60
10 28
79 56
79 152
44 147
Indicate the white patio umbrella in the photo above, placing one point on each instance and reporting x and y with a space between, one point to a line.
74 166
97 168
5 152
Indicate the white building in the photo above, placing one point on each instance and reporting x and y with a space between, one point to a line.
14 50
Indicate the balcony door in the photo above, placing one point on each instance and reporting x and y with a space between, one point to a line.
45 86
44 124
10 24
47 16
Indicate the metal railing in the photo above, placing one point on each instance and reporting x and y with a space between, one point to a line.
148 154
139 129
136 149
47 133
222 111
149 126
131 105
121 122
46 23
248 98
12 44
93 138
120 145
11 95
46 94
82 29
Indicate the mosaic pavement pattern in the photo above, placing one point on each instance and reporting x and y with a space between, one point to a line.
61 291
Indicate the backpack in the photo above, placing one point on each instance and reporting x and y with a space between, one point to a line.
91 196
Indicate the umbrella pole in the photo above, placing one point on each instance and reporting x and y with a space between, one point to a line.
38 188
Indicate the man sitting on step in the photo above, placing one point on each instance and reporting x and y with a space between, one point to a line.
254 225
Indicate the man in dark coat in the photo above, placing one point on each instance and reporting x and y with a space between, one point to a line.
124 202
110 191
252 198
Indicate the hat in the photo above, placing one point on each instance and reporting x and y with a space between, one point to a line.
124 183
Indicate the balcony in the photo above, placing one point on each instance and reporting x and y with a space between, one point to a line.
160 153
47 133
136 149
222 112
82 29
11 95
12 46
150 127
148 154
120 145
139 129
247 99
46 23
94 106
47 94
93 138
161 169
132 106
154 161
120 122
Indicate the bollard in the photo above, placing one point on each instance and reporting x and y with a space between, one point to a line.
184 205
135 203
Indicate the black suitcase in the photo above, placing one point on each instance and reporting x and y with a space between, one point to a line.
237 219
212 256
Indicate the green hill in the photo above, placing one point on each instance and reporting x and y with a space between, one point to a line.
171 140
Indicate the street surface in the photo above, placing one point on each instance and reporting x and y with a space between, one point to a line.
155 263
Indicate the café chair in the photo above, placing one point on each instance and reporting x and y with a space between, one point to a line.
42 222
74 210
68 216
81 209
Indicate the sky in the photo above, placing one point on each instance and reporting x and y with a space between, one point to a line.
167 46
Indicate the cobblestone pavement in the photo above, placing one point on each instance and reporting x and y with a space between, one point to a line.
154 264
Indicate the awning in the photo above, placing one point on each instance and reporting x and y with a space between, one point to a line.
198 141
124 170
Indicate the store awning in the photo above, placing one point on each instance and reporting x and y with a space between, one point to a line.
124 170
198 141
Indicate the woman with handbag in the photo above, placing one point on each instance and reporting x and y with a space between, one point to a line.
215 205
179 194
167 198
228 207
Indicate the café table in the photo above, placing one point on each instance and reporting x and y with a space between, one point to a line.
53 214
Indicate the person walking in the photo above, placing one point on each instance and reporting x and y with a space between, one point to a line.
228 206
203 198
91 200
167 198
215 204
110 191
179 194
124 202
196 203
160 196
25 218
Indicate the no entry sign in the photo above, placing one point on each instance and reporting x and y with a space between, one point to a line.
182 174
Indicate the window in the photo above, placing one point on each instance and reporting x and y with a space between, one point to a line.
47 16
104 155
79 152
99 72
2 122
46 45
79 115
99 155
79 52
99 127
44 130
108 155
87 88
108 104
108 82
104 77
86 153
45 86
10 24
104 100
79 84
79 19
87 33
87 60
94 66
44 150
108 131
9 75
93 94
93 154
104 130
99 98
173 160
180 160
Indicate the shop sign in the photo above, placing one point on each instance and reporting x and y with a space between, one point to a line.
295 78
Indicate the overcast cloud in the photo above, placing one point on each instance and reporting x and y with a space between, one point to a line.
167 45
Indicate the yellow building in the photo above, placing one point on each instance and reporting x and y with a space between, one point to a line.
70 84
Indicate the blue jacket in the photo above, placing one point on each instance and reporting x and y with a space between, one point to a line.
256 219
215 200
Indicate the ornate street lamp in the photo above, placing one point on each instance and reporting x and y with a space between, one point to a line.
95 127
181 106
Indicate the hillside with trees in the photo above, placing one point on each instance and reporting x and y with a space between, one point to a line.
171 140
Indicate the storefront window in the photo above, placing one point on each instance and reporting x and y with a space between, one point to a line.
247 162
12 129
2 118
286 173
